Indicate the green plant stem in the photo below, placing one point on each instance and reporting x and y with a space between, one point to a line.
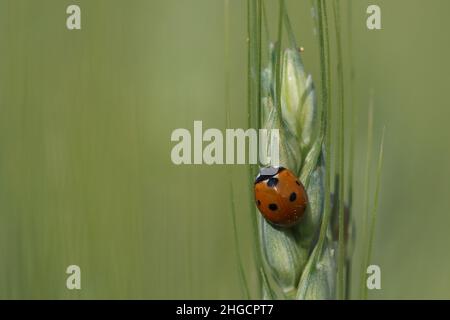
366 195
326 115
265 20
351 154
254 102
341 145
375 208
228 124
352 110
242 276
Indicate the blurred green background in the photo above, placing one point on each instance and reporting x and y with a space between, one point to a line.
85 122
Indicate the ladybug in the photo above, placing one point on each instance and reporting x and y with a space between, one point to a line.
280 196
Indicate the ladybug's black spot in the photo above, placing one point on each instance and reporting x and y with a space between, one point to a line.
296 181
273 207
272 182
293 196
258 202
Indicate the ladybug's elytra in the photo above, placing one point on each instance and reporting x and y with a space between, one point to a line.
280 196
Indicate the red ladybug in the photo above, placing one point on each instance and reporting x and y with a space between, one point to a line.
280 196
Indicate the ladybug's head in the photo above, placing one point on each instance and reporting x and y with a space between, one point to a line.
267 173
